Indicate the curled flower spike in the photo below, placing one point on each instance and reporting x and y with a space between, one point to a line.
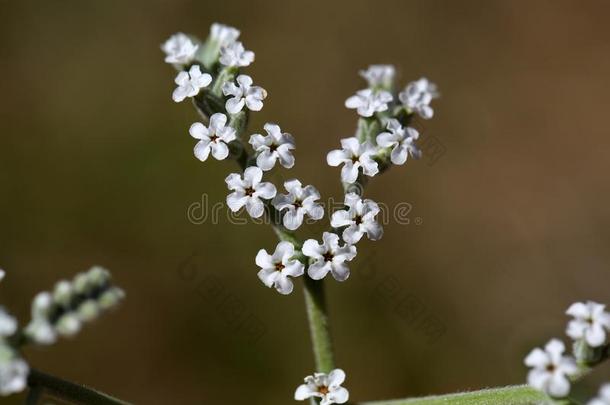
551 369
243 94
603 398
327 387
590 323
190 83
328 257
401 140
235 55
298 202
273 147
63 311
359 219
179 49
418 95
223 34
381 76
214 138
13 371
354 155
249 191
276 268
367 102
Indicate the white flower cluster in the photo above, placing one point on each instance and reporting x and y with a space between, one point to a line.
326 387
221 48
383 137
364 154
13 369
551 370
71 303
58 313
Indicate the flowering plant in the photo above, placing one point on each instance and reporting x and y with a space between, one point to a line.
224 97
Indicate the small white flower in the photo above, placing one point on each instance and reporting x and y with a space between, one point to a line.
234 54
353 156
190 83
244 93
550 369
179 49
276 268
223 34
367 102
379 75
2 274
214 138
327 387
359 219
418 95
248 191
13 372
8 324
590 323
328 256
401 140
603 398
298 202
275 146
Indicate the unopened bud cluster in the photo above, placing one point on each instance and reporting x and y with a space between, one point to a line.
63 311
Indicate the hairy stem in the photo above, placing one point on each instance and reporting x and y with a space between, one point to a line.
512 395
315 304
69 391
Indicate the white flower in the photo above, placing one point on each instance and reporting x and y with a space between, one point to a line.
2 274
214 138
550 369
276 268
190 83
234 54
367 102
401 140
275 146
379 75
179 49
13 372
603 398
327 387
353 156
223 34
418 95
328 256
298 202
248 191
590 323
359 219
245 93
8 324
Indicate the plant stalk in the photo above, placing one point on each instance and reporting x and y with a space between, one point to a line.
69 391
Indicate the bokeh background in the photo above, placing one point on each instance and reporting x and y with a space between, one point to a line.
507 228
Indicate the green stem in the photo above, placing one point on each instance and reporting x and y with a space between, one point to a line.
315 304
70 391
512 395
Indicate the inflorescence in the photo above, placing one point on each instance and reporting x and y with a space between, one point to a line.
209 73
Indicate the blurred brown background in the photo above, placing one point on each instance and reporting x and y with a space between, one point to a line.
97 168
